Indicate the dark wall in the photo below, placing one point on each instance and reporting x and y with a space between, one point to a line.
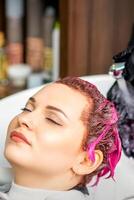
92 31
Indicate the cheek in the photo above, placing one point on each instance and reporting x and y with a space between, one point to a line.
64 144
55 153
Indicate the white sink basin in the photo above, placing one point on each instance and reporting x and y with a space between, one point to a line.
120 189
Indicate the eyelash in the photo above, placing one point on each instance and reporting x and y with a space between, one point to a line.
26 109
54 122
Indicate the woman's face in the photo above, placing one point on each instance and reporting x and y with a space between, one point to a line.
51 123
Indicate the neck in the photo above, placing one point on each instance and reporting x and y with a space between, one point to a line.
30 179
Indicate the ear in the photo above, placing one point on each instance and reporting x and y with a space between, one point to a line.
84 165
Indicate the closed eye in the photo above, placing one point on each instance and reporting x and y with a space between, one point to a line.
26 109
52 121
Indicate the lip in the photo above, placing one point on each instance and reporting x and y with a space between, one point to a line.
18 137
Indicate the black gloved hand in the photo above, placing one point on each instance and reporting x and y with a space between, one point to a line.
126 111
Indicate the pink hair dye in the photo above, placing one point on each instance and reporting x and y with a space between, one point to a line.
102 126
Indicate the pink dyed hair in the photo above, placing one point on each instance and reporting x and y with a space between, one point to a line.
101 123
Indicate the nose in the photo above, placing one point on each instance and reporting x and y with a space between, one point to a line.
25 120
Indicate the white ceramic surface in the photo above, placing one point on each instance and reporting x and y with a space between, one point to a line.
121 188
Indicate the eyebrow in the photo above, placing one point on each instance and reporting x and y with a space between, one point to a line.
32 99
56 109
50 107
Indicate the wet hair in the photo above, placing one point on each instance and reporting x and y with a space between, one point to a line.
100 118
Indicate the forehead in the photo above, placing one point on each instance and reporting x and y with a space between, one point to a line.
71 101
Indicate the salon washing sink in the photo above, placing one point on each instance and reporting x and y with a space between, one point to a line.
122 188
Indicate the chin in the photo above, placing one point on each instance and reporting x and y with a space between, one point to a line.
16 155
11 154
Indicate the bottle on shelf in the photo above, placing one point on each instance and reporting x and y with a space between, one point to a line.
56 51
48 23
3 67
3 58
34 47
14 31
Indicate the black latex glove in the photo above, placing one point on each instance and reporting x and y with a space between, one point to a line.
126 112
